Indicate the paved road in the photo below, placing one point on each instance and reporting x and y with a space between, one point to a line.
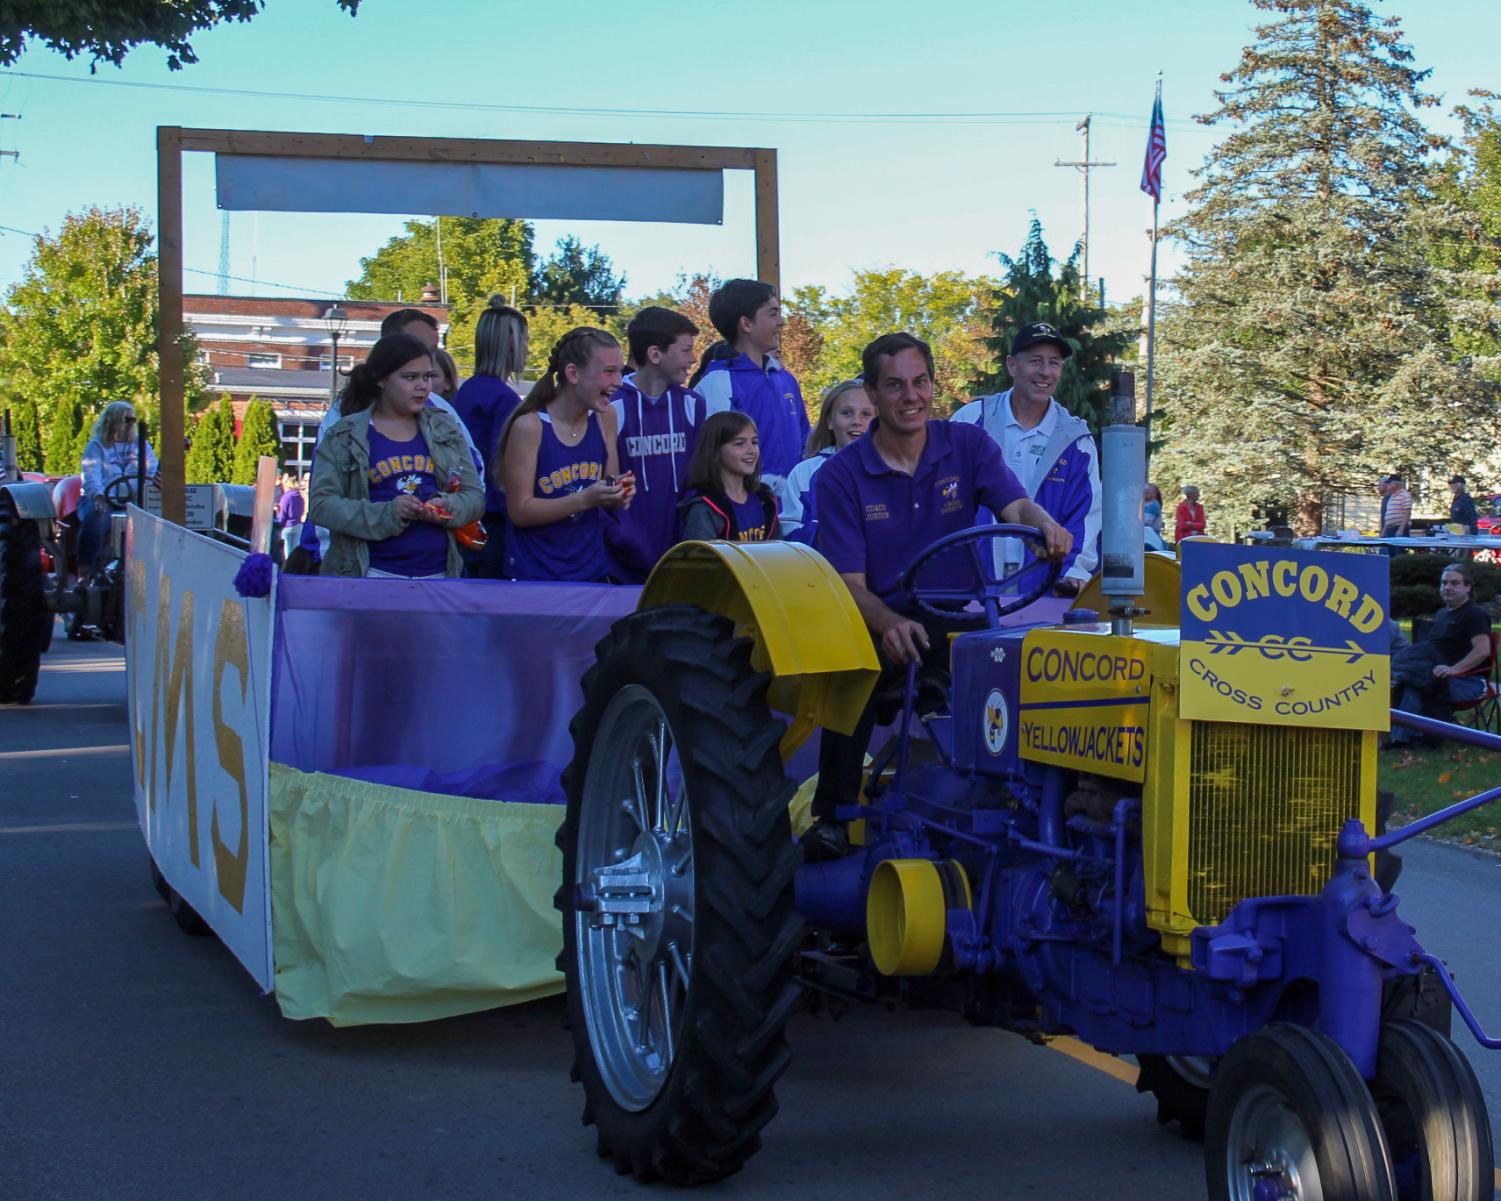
142 1063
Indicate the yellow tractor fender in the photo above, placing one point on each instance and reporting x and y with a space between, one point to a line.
805 627
1161 579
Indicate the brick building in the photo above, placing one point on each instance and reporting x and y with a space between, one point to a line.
281 350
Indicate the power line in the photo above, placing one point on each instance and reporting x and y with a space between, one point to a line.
978 117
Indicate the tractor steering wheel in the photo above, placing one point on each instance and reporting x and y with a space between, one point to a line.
987 589
119 492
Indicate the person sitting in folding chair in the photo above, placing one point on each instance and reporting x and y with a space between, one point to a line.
1434 674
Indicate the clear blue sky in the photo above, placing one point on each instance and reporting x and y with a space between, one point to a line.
854 194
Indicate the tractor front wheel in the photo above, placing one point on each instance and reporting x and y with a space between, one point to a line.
1434 1115
24 616
1289 1117
679 931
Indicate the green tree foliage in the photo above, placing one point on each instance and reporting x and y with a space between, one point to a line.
64 435
257 438
577 274
1308 348
483 256
26 427
472 249
211 457
1471 181
547 324
946 310
1034 291
107 32
80 326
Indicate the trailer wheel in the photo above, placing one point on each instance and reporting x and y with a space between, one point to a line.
1181 1085
679 930
183 914
1434 1115
24 616
1290 1117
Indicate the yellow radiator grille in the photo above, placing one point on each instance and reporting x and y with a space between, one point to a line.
1265 806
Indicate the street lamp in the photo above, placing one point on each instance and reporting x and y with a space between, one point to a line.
337 321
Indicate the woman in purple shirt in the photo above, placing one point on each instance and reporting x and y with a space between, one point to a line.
558 456
726 498
485 403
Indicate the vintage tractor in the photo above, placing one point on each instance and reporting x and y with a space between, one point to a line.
1059 850
39 570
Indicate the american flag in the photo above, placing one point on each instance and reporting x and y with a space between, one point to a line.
1151 168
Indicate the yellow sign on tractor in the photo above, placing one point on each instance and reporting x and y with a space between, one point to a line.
1282 637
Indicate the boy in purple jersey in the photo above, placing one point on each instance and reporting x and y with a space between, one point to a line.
658 421
750 379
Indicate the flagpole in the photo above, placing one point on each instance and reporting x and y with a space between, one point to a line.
1152 293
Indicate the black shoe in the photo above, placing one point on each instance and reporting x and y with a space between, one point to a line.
824 841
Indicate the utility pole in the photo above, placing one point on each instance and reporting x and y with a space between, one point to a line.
1084 166
13 154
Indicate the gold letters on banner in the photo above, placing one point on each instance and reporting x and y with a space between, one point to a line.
174 701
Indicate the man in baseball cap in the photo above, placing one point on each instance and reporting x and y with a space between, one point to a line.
1048 450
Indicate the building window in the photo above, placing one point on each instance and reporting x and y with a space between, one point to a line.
298 437
262 360
346 362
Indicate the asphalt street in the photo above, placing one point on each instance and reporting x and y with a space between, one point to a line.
139 1062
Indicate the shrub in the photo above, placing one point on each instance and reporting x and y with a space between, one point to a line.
1414 583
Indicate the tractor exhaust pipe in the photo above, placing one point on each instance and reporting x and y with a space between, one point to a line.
1123 538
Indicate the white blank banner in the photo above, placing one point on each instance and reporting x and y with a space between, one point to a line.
318 185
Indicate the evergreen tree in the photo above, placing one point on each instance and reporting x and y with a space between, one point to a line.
1308 349
1032 291
211 457
257 438
27 430
578 274
60 445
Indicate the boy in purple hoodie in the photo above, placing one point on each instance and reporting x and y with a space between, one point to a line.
753 381
658 419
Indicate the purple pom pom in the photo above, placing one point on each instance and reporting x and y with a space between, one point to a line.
254 576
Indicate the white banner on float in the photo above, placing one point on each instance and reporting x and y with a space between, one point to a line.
198 674
533 190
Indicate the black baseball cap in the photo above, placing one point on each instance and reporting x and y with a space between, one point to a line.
1039 331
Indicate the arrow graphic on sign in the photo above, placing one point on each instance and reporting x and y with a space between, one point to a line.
1274 646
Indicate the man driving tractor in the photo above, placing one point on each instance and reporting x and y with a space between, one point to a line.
911 480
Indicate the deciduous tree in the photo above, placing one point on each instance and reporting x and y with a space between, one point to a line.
80 326
107 32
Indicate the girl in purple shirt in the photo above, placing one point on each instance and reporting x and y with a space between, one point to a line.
726 497
559 464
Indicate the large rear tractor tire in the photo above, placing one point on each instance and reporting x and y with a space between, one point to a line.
679 931
1289 1117
24 617
1434 1115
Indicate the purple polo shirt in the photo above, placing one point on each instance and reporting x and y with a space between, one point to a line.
875 519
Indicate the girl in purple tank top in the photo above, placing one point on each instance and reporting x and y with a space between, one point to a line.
559 466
